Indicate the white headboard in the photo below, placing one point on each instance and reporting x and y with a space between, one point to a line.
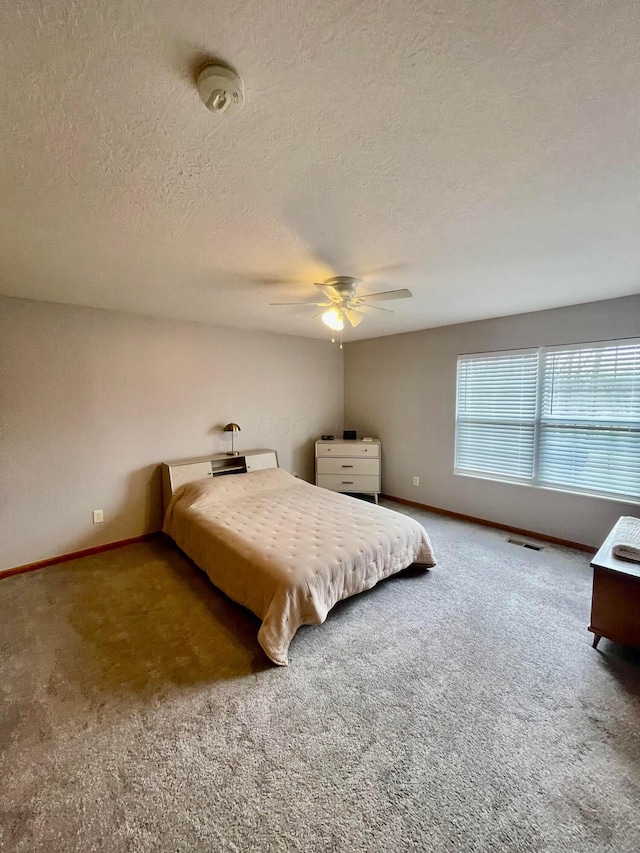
181 471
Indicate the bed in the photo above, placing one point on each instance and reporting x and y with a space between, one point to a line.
287 550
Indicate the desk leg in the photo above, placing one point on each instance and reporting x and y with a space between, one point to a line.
596 640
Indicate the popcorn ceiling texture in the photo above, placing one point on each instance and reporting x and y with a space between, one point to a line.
492 146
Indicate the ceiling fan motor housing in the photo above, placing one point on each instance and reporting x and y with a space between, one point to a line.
344 285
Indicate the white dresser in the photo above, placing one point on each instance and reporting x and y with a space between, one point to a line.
349 466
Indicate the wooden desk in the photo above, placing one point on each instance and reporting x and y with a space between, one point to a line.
615 603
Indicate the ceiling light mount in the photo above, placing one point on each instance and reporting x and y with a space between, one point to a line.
221 89
344 285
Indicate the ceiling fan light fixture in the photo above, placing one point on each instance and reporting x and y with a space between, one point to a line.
343 303
333 319
354 317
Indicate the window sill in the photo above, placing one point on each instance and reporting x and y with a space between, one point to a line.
540 487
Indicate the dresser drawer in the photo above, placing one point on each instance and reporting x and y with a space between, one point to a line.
357 448
345 465
349 482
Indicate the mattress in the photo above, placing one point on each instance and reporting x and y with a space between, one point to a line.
288 550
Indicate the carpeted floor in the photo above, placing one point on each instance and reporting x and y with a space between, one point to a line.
457 710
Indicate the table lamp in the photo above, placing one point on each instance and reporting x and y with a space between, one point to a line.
233 429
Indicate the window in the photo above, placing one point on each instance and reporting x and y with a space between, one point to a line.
563 417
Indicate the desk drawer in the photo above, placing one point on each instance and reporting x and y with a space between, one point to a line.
343 465
356 448
349 482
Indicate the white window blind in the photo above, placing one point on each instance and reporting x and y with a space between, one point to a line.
496 413
590 421
564 417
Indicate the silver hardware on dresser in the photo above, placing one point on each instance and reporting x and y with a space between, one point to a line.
349 466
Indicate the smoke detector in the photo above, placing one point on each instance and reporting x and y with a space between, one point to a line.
221 89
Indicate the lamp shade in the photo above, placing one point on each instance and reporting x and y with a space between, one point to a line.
231 428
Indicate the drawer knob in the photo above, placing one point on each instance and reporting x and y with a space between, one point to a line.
347 482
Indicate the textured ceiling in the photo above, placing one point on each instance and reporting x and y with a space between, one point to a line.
490 146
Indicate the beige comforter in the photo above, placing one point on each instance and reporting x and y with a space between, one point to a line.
288 550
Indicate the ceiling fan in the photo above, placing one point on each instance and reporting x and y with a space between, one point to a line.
342 301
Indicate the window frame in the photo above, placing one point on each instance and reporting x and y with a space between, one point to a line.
534 481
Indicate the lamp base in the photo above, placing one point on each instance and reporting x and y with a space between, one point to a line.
233 453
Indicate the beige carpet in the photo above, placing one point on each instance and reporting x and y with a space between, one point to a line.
457 710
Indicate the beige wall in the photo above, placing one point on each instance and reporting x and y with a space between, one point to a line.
91 401
402 389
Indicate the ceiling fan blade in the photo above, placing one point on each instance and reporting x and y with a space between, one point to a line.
319 304
327 290
374 308
354 317
386 295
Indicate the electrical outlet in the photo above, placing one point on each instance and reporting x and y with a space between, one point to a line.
416 481
98 516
